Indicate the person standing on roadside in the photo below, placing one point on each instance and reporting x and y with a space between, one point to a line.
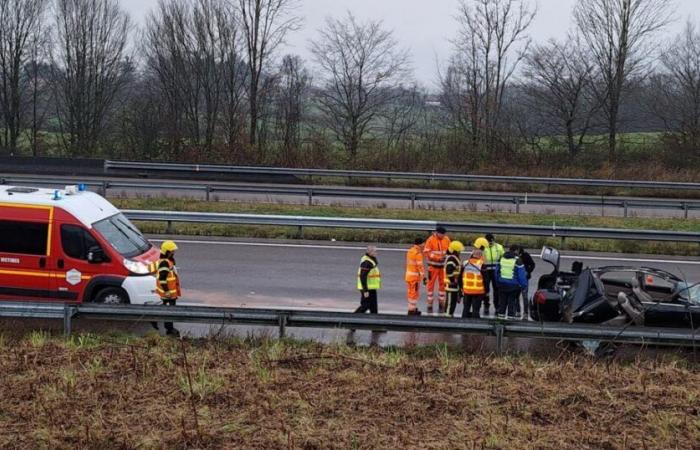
415 274
369 281
529 265
168 282
473 289
435 251
453 270
512 280
493 253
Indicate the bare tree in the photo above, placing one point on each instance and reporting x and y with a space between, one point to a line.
90 68
266 24
193 50
20 31
402 115
293 83
491 43
362 67
675 91
560 89
620 34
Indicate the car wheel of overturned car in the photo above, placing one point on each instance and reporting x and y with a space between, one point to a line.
112 296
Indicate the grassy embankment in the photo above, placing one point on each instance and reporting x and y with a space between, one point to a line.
153 392
403 237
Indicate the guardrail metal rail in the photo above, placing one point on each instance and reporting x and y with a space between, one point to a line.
427 177
283 319
411 196
302 222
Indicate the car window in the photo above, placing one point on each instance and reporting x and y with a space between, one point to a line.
618 278
659 283
76 241
690 292
27 238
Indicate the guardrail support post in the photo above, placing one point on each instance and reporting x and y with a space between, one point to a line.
104 189
516 200
311 197
624 205
301 232
499 329
282 326
169 227
208 191
685 210
67 320
413 200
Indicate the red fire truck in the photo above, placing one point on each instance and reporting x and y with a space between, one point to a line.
71 246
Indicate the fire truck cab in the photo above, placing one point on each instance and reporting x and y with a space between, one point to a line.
71 246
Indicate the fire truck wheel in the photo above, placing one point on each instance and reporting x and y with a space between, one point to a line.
112 296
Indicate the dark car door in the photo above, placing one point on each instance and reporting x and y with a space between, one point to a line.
661 307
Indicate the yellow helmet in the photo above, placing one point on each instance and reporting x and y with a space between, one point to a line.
456 247
168 246
481 243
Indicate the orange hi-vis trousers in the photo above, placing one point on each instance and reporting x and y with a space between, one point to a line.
413 294
436 275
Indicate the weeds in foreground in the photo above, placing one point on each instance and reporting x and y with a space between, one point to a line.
266 393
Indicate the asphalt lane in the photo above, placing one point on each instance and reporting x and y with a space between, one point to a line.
322 275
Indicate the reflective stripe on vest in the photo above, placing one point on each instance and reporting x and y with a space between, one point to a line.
173 281
451 286
508 268
374 278
472 280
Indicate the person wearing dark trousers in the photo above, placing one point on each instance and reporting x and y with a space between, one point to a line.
473 289
453 270
493 251
168 282
369 281
529 265
512 279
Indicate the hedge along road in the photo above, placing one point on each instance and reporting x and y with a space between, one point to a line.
372 197
313 275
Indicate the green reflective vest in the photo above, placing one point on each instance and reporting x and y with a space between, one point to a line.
374 278
508 268
493 254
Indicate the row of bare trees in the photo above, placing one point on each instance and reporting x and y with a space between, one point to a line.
206 80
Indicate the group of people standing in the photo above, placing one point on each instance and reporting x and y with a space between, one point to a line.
489 274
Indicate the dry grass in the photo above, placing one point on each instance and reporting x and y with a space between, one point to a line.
91 392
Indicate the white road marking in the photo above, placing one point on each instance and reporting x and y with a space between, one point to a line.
339 247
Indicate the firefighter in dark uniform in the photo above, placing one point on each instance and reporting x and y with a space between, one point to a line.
168 281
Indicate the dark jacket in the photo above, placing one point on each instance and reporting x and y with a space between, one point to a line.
365 267
528 262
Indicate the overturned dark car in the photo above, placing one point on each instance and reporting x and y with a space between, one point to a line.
615 295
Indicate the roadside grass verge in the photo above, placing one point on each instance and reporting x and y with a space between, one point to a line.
155 392
348 235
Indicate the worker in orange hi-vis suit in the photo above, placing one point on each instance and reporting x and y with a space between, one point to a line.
435 251
415 274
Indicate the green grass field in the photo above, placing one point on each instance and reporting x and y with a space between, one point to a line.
403 237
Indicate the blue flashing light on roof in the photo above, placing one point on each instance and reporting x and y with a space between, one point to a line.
56 194
81 187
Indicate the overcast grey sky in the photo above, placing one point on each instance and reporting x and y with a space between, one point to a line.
422 26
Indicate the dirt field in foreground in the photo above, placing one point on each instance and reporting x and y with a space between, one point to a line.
122 392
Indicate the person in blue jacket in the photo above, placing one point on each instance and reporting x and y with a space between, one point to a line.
512 280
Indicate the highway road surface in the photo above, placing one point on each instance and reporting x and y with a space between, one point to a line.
322 275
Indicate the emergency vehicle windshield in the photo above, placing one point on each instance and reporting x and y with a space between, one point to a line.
122 235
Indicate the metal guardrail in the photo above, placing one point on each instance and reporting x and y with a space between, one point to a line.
427 177
412 196
283 319
302 222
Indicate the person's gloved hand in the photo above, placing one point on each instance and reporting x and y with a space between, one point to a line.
365 294
425 281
